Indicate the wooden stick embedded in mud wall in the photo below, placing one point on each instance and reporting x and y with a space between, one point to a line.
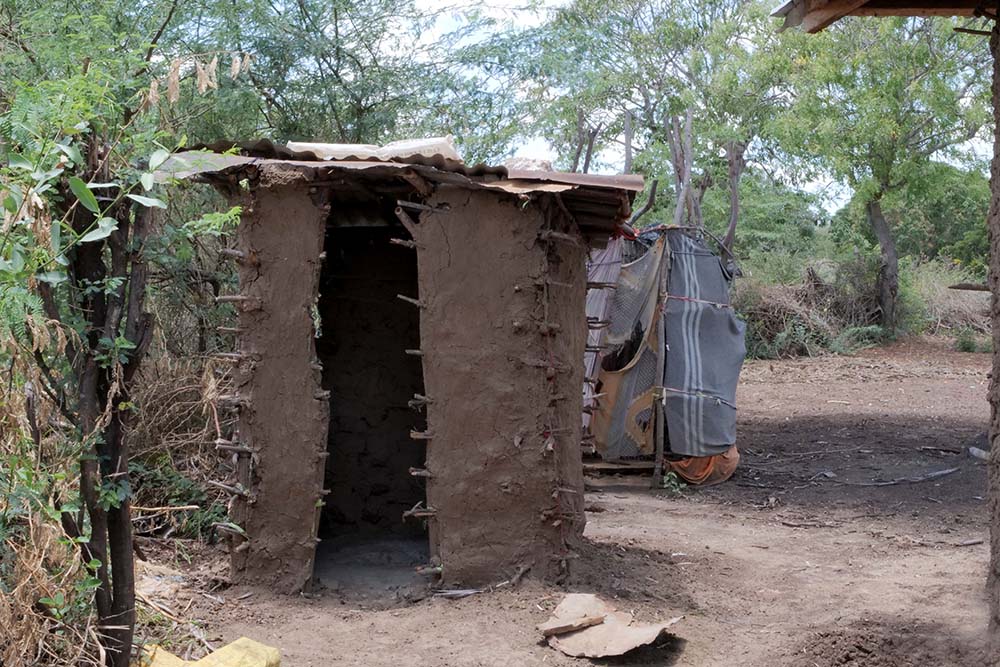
235 357
408 222
402 203
418 511
419 401
552 367
409 299
227 446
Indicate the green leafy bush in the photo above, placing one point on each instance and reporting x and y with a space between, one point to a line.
968 339
158 481
853 339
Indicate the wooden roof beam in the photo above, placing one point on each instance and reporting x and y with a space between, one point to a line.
918 8
814 15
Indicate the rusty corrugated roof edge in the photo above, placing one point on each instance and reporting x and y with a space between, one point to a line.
269 151
599 204
630 182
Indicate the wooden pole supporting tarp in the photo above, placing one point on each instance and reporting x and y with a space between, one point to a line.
659 413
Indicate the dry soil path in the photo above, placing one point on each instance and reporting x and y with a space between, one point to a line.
817 553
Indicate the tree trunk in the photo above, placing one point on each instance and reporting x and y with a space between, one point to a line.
735 152
698 190
888 272
591 138
128 258
681 157
581 139
103 417
993 225
586 136
628 142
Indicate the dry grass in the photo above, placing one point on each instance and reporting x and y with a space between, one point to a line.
835 307
947 310
173 438
843 293
46 600
177 413
46 615
778 323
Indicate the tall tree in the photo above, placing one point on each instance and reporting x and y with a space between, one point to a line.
939 211
876 101
697 82
360 71
78 145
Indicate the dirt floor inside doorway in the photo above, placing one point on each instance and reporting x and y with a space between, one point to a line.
818 553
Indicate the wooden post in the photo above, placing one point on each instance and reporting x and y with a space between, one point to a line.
659 413
993 225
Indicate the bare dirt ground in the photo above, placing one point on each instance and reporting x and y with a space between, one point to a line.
834 544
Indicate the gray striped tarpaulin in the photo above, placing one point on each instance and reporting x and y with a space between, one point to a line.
704 347
705 351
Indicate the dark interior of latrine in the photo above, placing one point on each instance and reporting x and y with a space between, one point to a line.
365 332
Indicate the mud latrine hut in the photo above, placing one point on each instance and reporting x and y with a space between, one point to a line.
410 350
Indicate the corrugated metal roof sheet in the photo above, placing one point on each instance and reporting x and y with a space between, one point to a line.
267 149
444 146
599 204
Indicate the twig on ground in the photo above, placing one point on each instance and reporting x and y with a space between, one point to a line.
907 480
158 607
177 508
809 524
969 543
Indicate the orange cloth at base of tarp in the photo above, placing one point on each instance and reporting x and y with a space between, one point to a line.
705 470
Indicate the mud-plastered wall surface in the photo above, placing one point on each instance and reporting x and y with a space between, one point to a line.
503 373
284 415
366 331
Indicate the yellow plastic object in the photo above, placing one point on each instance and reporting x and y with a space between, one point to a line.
155 656
241 653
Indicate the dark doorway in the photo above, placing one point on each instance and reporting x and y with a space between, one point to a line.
365 332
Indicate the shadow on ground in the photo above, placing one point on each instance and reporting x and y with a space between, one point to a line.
628 575
887 465
668 651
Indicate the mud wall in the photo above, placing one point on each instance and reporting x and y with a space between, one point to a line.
366 330
502 331
283 418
